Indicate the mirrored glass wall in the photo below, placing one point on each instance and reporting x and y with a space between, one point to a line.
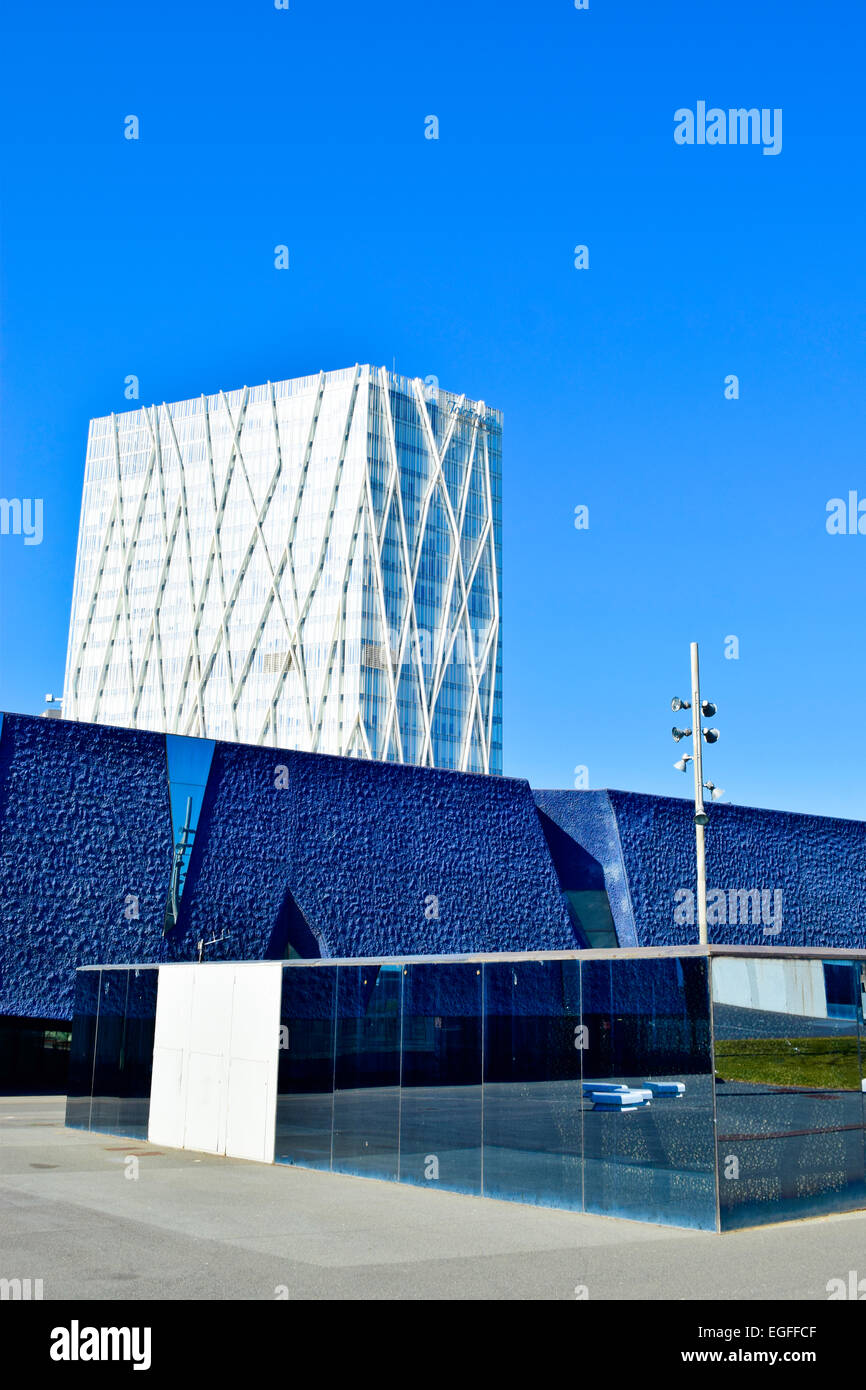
710 1091
111 1058
789 1050
578 1084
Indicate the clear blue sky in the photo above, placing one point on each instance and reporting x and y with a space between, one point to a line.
306 127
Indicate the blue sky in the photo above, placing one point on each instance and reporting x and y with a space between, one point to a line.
456 258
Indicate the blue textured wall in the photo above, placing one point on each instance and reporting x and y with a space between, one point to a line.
361 846
84 821
356 846
343 860
646 847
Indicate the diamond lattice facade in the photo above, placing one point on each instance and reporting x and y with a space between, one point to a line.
311 564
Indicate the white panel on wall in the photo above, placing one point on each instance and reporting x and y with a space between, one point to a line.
204 1103
731 983
212 1009
215 1058
166 1121
256 1010
249 1095
170 1047
806 990
254 1041
776 986
174 1005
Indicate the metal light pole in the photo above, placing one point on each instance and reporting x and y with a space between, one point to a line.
700 814
698 707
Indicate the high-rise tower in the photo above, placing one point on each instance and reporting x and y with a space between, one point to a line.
310 564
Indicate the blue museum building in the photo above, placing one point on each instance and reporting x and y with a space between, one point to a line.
123 845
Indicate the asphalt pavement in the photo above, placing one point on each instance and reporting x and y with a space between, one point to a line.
78 1213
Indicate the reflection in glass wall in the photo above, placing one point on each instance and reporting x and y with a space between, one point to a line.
595 1092
590 1084
79 1095
440 1115
533 1132
788 1049
367 1070
34 1055
138 1051
109 1054
647 1091
305 1086
111 1060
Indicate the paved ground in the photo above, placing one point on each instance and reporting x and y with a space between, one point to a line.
192 1226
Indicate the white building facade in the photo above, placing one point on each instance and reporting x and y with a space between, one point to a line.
312 564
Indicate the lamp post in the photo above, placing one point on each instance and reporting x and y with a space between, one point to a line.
53 708
698 708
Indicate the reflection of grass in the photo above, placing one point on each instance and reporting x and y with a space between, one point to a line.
815 1063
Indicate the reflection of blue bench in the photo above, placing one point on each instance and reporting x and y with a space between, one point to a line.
666 1088
626 1099
590 1086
